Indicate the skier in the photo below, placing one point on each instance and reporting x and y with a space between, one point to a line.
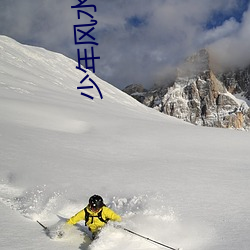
95 214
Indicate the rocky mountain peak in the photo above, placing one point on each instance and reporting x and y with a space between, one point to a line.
200 96
194 65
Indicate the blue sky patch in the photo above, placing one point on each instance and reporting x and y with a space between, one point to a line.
136 21
219 17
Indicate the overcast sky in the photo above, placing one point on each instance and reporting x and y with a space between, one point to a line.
139 41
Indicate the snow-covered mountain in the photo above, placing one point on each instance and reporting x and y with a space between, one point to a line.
182 185
201 96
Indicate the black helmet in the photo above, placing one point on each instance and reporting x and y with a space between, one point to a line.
96 202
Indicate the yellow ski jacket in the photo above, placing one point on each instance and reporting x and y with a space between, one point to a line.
94 223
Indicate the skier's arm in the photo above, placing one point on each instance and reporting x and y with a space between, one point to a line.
77 217
110 214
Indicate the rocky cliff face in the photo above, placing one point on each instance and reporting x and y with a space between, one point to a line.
237 81
201 97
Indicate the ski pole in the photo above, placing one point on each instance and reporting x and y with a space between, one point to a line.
45 228
146 238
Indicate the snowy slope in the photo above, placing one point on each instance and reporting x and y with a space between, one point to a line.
179 184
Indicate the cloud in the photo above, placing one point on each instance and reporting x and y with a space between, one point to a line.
139 41
170 31
43 23
228 28
233 49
